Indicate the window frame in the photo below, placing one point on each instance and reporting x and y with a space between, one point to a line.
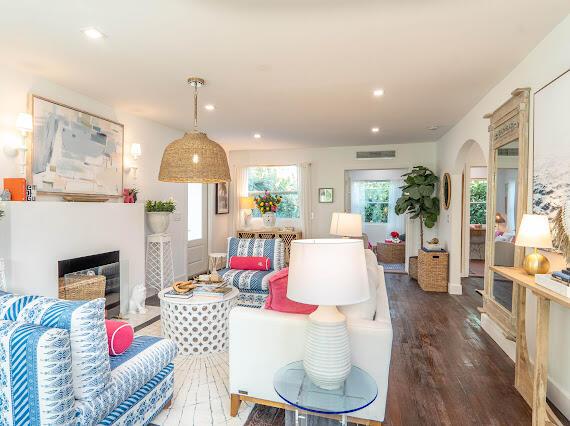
478 202
386 203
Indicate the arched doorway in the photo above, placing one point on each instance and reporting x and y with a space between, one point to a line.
471 164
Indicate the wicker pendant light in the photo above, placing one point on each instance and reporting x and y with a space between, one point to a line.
194 157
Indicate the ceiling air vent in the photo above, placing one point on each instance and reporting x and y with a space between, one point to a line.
372 155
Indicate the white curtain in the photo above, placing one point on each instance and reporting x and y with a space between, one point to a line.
238 189
305 199
395 222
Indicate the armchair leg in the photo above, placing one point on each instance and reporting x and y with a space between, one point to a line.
167 405
235 402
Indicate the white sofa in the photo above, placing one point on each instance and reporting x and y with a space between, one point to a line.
263 341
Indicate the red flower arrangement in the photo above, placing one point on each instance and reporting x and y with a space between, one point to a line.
394 234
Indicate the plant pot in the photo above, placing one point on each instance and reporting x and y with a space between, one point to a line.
269 219
158 221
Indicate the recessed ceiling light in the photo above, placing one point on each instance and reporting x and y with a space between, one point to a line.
375 129
433 128
257 135
210 107
92 33
378 92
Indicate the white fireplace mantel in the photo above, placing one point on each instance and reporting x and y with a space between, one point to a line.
34 236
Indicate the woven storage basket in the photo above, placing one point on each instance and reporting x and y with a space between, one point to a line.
413 267
82 287
391 252
432 270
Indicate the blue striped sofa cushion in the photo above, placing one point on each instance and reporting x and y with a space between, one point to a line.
85 322
247 281
271 248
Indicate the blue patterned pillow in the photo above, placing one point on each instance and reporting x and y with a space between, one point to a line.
271 248
85 322
35 375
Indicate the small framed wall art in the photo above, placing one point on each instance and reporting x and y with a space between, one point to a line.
222 198
326 195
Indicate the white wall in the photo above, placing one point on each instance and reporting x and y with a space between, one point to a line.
547 61
14 89
327 170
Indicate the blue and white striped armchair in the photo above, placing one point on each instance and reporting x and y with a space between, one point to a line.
253 285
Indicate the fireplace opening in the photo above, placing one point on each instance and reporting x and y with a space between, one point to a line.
90 277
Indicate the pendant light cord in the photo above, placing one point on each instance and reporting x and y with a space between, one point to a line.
196 107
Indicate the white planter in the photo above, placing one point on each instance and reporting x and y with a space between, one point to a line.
158 221
269 219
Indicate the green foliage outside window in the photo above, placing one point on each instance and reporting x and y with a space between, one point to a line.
279 180
376 195
478 202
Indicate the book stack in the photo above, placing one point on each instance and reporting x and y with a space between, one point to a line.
212 291
559 281
175 295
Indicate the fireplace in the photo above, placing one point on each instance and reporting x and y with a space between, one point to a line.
90 277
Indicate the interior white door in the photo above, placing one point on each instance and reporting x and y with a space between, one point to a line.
197 228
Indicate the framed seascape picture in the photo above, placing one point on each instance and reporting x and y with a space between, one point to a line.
74 152
222 198
551 180
325 195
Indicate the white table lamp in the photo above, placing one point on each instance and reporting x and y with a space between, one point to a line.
346 225
246 204
535 232
327 272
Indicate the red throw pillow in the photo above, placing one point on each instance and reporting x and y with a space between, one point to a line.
277 299
250 263
120 335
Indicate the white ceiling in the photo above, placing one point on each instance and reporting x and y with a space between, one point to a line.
300 72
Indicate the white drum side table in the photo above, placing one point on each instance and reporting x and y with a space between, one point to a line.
198 325
159 265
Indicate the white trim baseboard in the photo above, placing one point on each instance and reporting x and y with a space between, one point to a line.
454 288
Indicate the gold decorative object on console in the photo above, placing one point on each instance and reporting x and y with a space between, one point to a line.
535 232
194 157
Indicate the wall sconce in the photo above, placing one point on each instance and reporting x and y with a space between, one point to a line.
15 146
136 153
24 123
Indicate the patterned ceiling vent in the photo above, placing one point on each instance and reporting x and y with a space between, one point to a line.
508 152
370 155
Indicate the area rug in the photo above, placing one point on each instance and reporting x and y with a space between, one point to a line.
394 268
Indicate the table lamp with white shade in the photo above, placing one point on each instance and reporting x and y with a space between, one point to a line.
346 225
246 204
327 272
535 232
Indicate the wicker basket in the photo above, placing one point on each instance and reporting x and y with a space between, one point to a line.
413 267
82 287
432 270
391 252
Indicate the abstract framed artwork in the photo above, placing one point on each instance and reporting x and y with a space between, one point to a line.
74 152
551 180
222 198
326 195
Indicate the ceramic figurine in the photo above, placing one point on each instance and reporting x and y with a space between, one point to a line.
137 302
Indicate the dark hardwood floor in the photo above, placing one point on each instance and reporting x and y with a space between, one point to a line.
445 369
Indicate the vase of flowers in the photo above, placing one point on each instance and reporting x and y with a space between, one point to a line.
268 205
395 237
158 215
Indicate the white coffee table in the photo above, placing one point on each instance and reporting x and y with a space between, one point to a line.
198 325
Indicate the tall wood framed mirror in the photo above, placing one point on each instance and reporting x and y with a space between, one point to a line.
506 204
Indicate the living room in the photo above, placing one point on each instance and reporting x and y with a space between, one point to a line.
258 213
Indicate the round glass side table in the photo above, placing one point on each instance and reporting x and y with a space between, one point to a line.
311 402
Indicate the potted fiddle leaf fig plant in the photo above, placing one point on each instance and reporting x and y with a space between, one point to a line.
158 214
418 197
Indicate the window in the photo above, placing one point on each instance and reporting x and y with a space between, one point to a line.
279 180
376 201
478 202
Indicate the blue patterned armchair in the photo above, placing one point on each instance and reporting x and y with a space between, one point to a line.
55 367
253 285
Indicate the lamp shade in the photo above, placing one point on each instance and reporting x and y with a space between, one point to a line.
534 232
24 122
246 203
136 150
346 224
194 158
327 272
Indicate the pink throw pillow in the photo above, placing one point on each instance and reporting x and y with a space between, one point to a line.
277 299
120 335
250 263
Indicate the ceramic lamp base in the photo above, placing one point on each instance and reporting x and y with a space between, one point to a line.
327 359
536 263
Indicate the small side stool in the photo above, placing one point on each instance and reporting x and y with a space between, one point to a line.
159 264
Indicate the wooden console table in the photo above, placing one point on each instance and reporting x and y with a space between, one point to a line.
272 233
531 382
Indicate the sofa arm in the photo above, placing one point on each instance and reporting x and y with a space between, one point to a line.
263 341
35 375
